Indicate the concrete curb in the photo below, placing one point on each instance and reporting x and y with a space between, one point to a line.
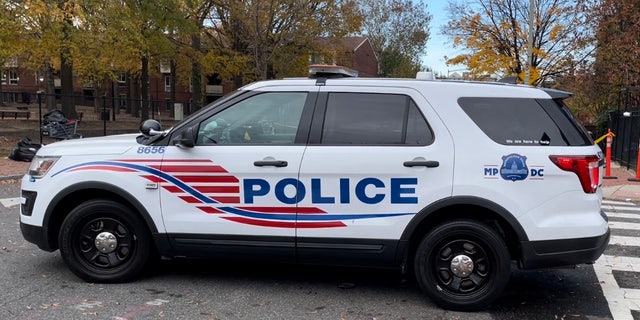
16 177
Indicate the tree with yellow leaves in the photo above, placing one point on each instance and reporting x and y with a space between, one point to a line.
494 33
276 36
9 36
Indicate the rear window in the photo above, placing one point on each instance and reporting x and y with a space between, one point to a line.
525 122
374 119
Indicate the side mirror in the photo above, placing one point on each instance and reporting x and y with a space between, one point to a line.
150 127
187 138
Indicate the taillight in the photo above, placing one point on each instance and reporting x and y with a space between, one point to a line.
586 167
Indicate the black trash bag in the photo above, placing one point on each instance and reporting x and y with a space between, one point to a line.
54 116
25 150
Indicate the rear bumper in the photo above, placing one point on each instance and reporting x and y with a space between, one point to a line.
565 252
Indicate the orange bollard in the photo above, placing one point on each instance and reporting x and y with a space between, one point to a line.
607 169
637 178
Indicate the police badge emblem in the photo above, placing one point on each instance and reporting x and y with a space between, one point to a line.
514 167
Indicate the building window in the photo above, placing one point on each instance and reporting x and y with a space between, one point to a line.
167 83
122 98
165 66
13 77
122 79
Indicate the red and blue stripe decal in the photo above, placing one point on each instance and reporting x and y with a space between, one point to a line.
215 191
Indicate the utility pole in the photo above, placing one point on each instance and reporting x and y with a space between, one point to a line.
527 67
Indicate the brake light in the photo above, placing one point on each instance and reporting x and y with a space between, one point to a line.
586 167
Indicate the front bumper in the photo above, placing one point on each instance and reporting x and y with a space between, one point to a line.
36 235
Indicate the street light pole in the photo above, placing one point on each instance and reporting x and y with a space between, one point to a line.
40 114
527 70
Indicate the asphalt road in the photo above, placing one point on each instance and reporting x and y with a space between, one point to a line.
37 285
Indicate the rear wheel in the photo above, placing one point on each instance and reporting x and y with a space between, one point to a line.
462 265
104 241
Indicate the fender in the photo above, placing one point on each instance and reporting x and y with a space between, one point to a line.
96 185
432 209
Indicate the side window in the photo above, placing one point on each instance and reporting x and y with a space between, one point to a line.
522 121
268 118
374 119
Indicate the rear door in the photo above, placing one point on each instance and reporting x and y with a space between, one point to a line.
374 160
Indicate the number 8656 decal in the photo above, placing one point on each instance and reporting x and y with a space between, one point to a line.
150 150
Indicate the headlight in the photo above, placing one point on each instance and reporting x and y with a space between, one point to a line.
41 165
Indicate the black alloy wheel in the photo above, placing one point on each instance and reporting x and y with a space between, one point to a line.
462 265
104 241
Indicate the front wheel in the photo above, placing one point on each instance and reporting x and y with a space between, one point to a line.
104 241
462 265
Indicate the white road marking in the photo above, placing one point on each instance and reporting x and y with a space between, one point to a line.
625 241
621 301
9 202
624 225
623 208
622 215
619 305
614 202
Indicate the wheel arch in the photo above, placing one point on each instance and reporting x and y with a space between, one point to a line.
462 207
70 197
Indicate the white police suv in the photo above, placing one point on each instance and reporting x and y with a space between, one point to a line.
451 181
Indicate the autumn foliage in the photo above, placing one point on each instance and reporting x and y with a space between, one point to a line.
493 35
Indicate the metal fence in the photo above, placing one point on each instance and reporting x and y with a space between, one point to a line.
626 128
625 124
107 107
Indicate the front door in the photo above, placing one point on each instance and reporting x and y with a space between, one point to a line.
233 188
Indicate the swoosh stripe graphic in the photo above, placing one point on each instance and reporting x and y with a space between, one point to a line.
169 178
299 210
210 210
104 168
308 217
191 169
218 189
172 189
206 178
153 178
227 200
148 161
189 199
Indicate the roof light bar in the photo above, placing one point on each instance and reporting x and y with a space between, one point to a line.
425 75
330 71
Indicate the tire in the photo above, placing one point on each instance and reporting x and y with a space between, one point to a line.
472 285
124 246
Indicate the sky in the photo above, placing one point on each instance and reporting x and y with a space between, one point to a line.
438 45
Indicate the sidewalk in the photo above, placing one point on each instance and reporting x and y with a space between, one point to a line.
10 169
620 189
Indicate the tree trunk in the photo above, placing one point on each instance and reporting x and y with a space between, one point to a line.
145 88
1 93
66 69
173 80
50 90
196 76
135 96
66 85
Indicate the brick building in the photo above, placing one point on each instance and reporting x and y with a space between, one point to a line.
20 84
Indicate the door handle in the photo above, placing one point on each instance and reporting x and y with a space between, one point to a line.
270 163
422 163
